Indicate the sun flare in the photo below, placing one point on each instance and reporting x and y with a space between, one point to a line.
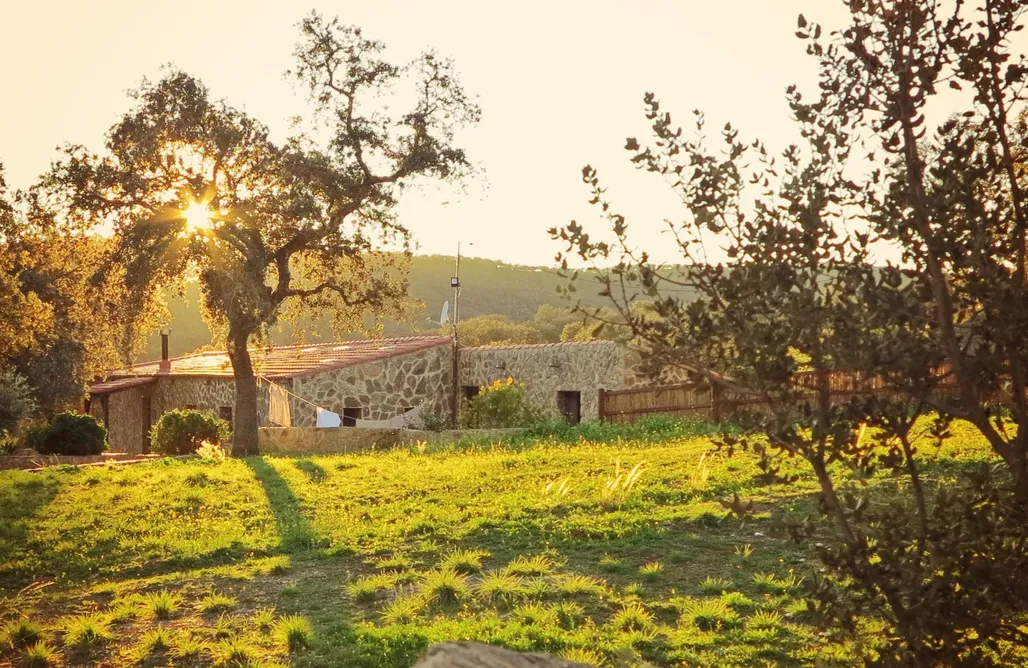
198 216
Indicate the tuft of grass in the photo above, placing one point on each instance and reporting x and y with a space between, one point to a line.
768 583
579 585
445 587
737 601
582 655
537 565
264 619
764 619
711 615
464 562
41 654
395 563
538 588
226 626
215 603
569 614
501 587
22 633
234 652
534 614
367 588
154 641
124 609
188 648
294 632
617 490
633 589
712 586
612 565
85 632
632 617
652 570
403 610
162 604
744 551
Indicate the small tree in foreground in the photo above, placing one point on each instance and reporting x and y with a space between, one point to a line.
937 567
195 187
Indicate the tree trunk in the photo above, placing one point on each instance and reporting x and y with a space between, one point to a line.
244 436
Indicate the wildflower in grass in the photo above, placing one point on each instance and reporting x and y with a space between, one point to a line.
464 561
445 587
737 601
22 633
86 631
712 586
187 647
264 618
539 564
612 564
569 614
767 583
580 585
294 633
366 588
582 655
40 655
764 620
215 603
710 615
652 570
162 604
501 587
534 614
403 610
632 617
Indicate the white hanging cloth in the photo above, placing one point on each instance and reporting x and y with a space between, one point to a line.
411 418
327 418
278 405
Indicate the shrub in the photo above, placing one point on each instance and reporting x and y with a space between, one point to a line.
503 404
182 432
72 433
15 402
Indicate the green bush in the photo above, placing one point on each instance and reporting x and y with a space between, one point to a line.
181 432
70 433
498 406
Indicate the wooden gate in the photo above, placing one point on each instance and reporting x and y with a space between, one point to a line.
687 399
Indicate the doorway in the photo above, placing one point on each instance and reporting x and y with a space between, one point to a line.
570 406
351 415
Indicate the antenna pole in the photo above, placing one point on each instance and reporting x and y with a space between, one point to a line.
455 283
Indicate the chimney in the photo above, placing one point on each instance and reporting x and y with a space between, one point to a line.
164 344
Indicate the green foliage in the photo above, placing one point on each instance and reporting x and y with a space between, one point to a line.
494 330
503 404
71 433
534 614
22 633
182 431
632 617
500 587
714 586
162 604
215 603
403 610
294 632
651 570
368 587
538 564
464 561
15 402
710 614
41 655
264 619
85 632
445 587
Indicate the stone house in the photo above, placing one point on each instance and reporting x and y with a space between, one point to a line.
361 380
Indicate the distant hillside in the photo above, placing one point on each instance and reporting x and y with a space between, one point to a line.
490 287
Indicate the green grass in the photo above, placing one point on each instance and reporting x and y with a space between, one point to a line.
40 655
365 560
21 633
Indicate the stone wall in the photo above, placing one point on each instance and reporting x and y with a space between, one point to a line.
547 369
124 413
382 389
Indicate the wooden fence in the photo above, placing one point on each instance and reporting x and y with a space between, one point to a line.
715 403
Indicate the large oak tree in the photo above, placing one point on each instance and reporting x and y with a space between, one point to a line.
194 187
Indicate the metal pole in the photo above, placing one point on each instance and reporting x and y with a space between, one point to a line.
455 403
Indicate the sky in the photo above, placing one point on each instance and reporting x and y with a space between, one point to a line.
560 85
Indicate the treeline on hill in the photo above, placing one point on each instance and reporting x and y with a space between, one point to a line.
500 304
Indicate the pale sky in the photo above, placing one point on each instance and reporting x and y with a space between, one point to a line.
560 84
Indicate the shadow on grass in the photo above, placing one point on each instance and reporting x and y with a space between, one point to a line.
294 531
311 470
23 497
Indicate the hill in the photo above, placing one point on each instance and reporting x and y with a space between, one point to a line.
489 287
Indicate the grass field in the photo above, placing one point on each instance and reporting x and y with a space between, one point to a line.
365 560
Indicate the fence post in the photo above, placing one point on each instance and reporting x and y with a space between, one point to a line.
602 400
715 402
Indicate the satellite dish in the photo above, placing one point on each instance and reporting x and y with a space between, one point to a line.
444 315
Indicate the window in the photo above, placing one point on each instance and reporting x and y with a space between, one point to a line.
470 392
225 413
570 406
351 415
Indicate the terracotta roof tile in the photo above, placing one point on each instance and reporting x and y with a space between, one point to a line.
290 360
119 385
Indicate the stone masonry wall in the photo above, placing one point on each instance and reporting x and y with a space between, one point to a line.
124 411
381 389
549 368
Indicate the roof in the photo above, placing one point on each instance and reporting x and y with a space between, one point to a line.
119 385
277 361
544 346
